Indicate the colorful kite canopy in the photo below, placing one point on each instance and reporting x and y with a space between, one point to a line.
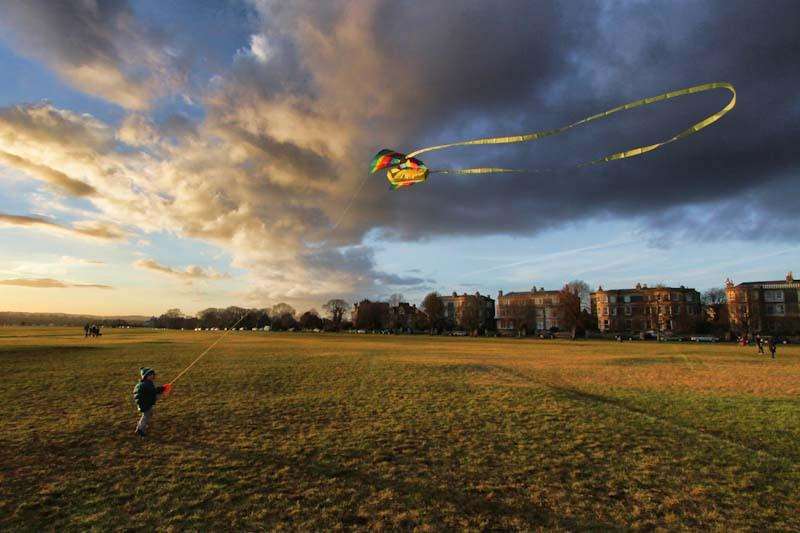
403 171
406 170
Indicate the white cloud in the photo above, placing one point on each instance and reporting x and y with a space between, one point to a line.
192 272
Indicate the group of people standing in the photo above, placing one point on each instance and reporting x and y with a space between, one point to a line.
770 342
92 330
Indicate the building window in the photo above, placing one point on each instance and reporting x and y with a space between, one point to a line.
613 311
628 310
626 299
676 309
776 310
612 299
773 296
628 325
690 309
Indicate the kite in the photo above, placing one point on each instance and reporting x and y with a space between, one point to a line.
405 170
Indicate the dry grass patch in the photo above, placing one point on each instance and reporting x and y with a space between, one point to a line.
344 431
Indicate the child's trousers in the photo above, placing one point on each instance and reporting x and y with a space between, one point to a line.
144 421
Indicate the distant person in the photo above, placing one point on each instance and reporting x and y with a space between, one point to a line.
145 394
86 330
772 347
760 344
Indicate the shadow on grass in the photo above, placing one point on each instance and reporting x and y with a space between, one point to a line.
636 361
44 351
471 504
575 394
580 395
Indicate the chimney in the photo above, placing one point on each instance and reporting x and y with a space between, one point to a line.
500 294
789 277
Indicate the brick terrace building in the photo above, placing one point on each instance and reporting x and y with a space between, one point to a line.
643 308
453 308
765 306
545 304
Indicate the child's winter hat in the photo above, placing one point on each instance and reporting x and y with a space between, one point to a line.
144 371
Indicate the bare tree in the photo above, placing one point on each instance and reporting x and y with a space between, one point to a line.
336 309
522 314
281 309
583 291
569 304
714 295
470 317
310 320
372 315
434 308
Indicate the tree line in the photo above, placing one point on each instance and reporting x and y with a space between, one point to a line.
63 319
280 317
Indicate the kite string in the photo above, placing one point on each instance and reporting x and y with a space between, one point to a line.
208 349
349 204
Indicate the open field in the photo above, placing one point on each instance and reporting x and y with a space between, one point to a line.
300 431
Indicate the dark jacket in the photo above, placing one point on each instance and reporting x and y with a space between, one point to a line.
145 394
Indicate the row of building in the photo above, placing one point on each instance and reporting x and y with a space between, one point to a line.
755 306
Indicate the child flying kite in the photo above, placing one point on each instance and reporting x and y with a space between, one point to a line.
145 394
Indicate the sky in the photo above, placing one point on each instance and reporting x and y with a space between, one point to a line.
198 154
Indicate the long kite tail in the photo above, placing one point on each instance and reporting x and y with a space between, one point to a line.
633 152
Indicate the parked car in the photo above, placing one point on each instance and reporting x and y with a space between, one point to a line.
704 338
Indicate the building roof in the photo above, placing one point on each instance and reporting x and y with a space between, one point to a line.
645 288
464 295
530 293
787 283
780 284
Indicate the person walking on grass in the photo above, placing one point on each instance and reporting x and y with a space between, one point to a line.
760 344
145 394
772 347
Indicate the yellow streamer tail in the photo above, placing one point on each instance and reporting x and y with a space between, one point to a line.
633 152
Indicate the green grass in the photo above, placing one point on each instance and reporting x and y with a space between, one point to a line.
298 431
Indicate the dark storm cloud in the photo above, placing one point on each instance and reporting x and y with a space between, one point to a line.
627 52
447 72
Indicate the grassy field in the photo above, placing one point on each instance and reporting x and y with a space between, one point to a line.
298 431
